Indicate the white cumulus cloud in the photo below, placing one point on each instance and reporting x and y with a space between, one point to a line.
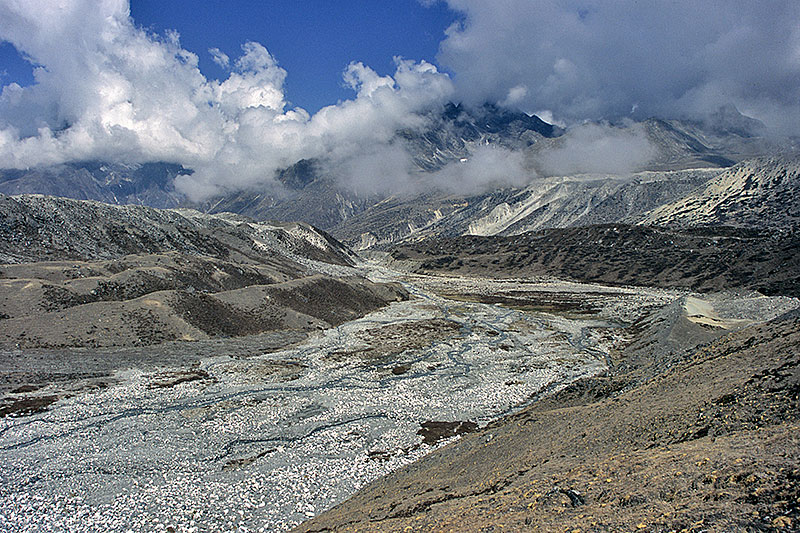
106 89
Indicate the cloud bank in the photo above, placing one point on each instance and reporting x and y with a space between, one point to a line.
487 167
106 89
595 59
598 148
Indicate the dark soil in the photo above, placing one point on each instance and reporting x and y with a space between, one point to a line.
433 431
219 319
384 344
539 301
15 406
703 259
335 300
169 379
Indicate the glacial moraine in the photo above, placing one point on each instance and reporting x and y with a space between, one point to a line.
265 441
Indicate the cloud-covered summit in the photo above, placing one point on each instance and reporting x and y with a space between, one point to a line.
594 59
106 89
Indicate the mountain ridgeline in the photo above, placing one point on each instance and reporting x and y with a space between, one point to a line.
686 155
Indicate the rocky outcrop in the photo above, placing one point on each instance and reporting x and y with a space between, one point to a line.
760 193
43 228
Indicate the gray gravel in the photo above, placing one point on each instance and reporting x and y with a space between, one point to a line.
262 443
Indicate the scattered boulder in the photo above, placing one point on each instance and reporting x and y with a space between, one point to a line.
433 431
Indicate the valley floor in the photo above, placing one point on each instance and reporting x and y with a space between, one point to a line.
242 433
239 433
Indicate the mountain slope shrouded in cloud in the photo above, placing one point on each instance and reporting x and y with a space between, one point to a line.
605 60
106 89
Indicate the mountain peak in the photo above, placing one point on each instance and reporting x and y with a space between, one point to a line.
497 119
727 120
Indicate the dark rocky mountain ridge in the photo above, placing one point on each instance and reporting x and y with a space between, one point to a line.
701 259
39 228
316 197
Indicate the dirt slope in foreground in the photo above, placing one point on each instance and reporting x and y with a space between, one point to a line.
712 444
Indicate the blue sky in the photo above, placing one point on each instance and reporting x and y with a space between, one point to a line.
13 68
314 40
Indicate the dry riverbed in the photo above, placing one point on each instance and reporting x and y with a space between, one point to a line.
243 433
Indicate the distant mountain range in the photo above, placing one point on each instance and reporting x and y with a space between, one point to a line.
757 193
150 184
683 184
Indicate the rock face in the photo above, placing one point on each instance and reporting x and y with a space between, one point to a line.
763 193
458 130
757 193
687 155
90 274
724 138
546 203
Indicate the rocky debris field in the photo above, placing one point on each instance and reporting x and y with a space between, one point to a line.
243 432
701 259
710 443
264 431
